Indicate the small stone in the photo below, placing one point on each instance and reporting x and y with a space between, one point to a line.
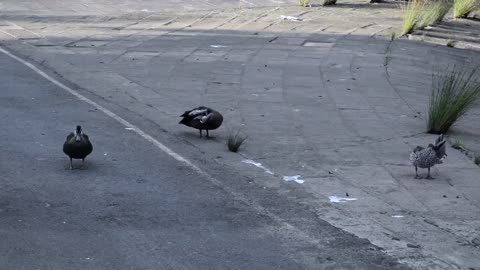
329 258
319 96
476 241
346 194
330 172
444 196
458 197
413 245
395 238
349 89
266 66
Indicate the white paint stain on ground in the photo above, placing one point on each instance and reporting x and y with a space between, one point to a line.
397 216
129 128
295 178
258 165
336 199
218 46
291 18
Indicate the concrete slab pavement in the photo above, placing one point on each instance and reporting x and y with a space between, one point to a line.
343 112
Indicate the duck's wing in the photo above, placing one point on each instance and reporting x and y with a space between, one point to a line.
85 137
70 136
418 149
196 111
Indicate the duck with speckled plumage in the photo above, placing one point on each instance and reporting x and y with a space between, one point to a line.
428 157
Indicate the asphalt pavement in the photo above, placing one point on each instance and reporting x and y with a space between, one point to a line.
133 206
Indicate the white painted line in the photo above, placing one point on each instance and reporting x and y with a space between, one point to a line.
336 199
258 165
260 209
119 119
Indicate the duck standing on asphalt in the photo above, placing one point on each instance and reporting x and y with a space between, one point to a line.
77 146
428 157
202 118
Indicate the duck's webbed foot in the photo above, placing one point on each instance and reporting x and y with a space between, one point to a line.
200 133
71 164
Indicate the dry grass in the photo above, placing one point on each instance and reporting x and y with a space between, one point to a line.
452 95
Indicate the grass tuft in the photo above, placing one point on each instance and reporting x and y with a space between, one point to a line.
462 8
304 3
328 2
234 141
451 43
459 145
452 95
476 159
393 36
433 13
412 11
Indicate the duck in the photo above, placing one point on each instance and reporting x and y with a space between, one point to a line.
428 157
202 118
77 146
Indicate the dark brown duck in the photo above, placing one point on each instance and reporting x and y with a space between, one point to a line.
202 118
77 146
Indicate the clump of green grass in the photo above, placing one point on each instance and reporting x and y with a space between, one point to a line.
459 145
451 97
433 13
476 159
393 36
462 8
328 2
412 11
304 3
234 141
451 43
